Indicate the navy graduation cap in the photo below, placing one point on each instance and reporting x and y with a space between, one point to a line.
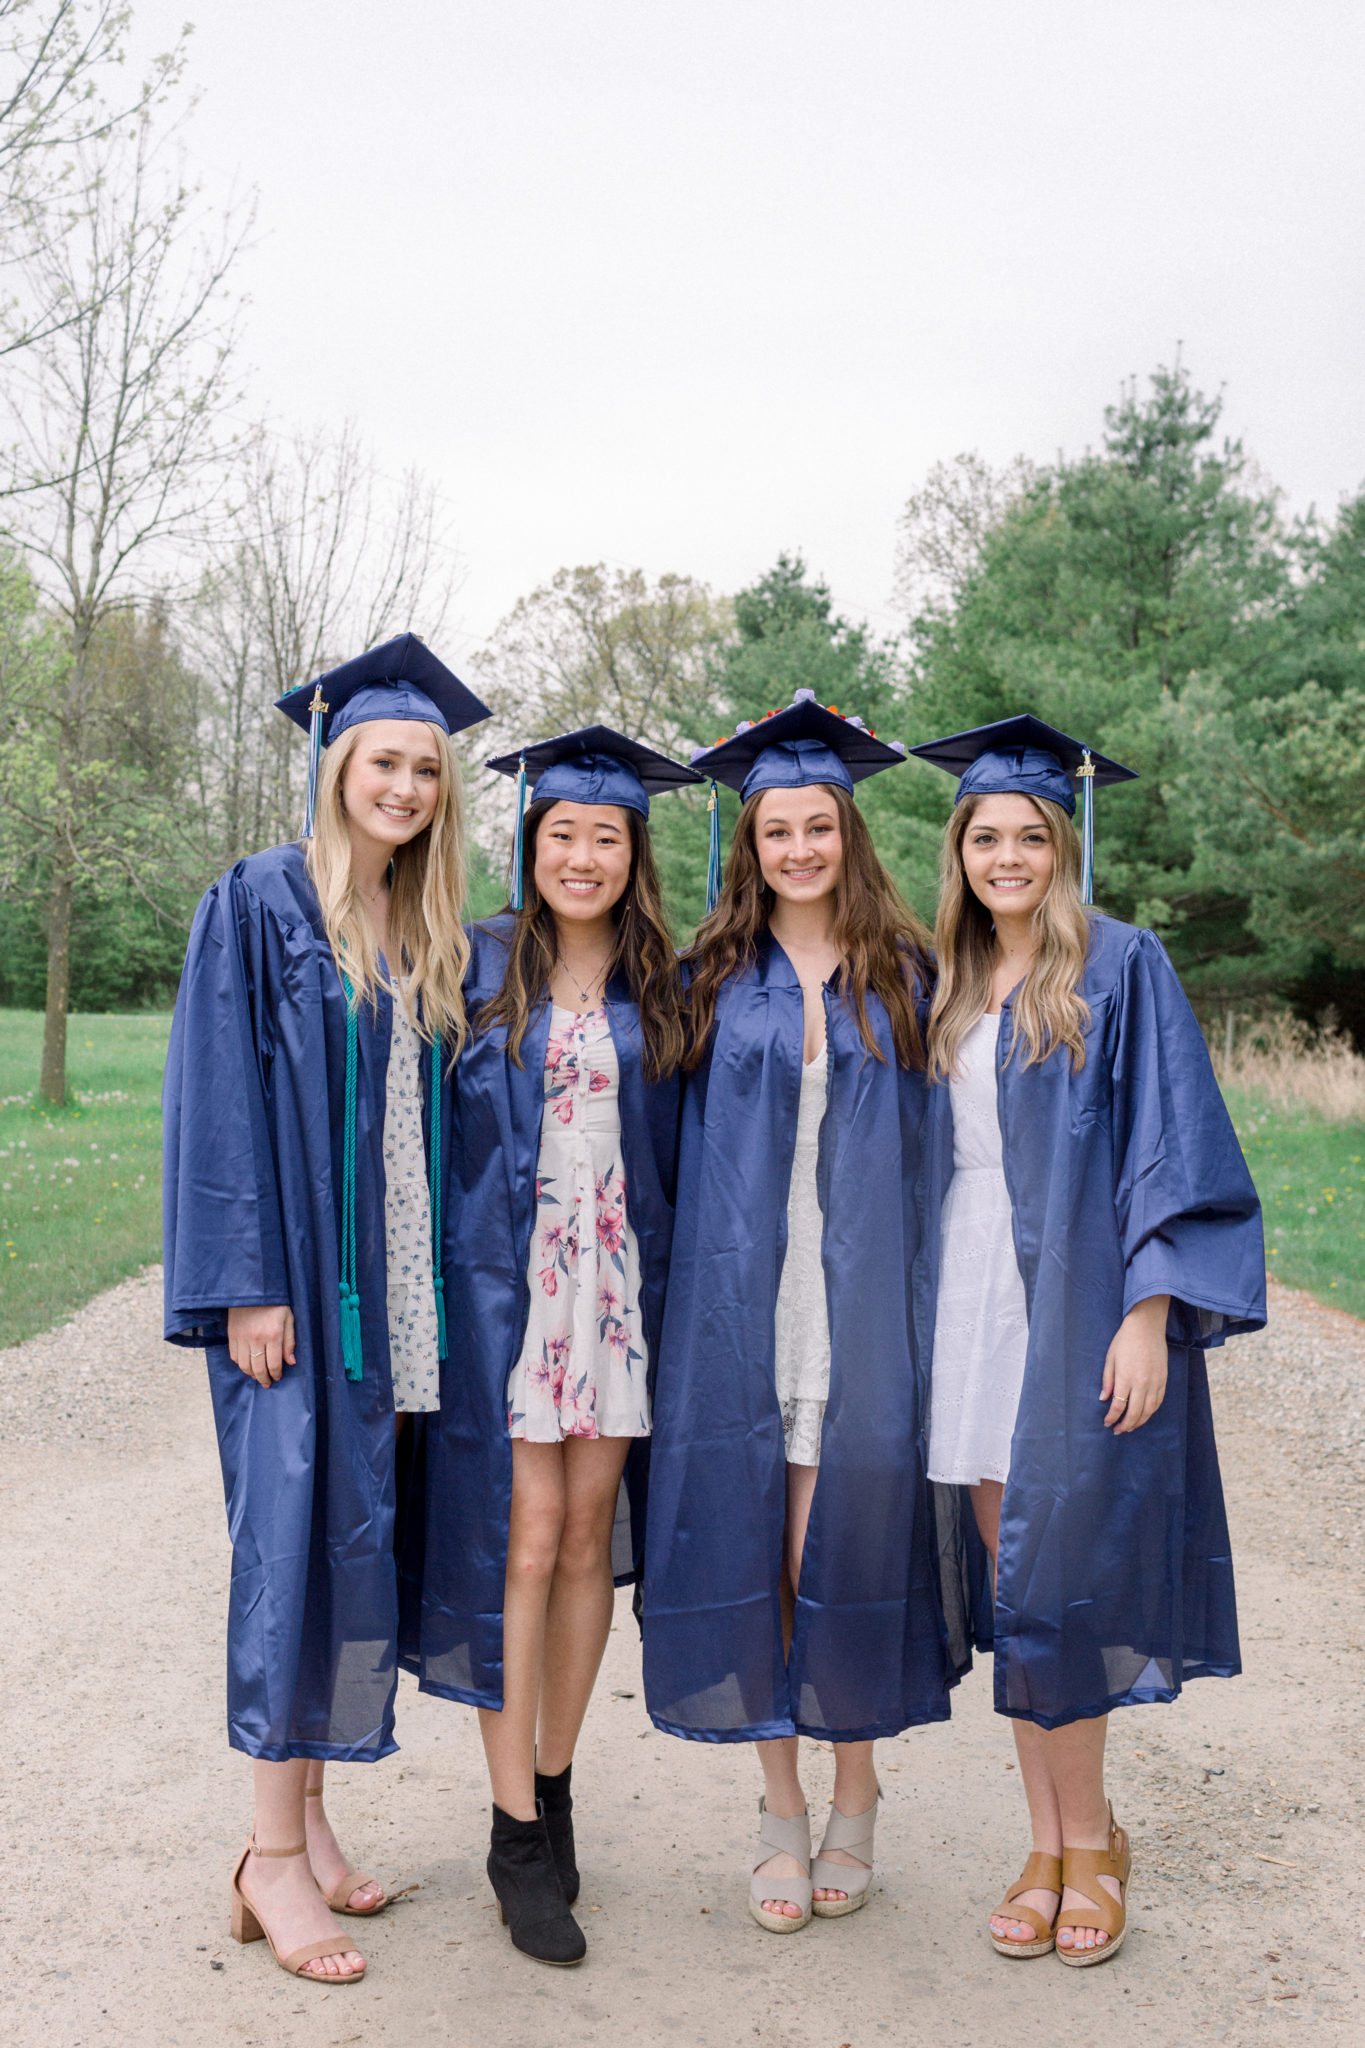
591 766
1026 757
806 742
400 679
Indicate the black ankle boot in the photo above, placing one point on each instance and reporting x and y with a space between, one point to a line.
521 1870
556 1801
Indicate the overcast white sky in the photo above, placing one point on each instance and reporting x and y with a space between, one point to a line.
679 283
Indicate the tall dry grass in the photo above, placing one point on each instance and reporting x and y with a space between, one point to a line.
1293 1065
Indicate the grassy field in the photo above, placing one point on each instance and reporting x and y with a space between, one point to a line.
1310 1176
80 1188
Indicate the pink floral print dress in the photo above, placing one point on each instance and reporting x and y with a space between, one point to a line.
582 1366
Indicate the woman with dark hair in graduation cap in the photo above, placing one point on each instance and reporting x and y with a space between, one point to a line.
307 1076
1099 1230
789 1567
561 1185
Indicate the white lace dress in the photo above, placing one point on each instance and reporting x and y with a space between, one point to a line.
583 1363
981 1330
413 1343
802 1321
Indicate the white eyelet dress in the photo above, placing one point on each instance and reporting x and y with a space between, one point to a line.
802 1320
582 1369
981 1329
413 1341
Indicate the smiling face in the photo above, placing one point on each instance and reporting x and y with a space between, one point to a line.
1008 856
798 841
583 859
392 783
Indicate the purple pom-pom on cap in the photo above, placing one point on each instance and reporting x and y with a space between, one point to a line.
804 697
896 746
697 753
745 725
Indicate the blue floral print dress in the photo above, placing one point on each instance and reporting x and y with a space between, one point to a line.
582 1369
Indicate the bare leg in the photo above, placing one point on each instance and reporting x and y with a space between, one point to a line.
537 1519
283 1889
782 1792
1063 1774
324 1851
578 1614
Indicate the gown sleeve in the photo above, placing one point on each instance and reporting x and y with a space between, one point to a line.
224 1245
1188 1215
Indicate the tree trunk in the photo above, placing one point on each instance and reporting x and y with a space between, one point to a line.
52 1083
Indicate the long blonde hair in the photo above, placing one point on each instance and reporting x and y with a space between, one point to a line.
1049 1009
426 939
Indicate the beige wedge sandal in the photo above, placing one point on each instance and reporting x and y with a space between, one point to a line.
351 1882
779 1837
1082 1869
248 1926
853 1833
1041 1873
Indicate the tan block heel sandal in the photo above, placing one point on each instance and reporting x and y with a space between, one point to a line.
351 1882
779 1837
246 1926
1041 1873
1082 1869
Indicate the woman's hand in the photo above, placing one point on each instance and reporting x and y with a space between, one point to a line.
261 1341
1134 1382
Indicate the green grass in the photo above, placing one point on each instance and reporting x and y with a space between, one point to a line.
80 1188
1310 1176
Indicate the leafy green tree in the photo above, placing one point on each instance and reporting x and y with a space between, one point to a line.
1110 585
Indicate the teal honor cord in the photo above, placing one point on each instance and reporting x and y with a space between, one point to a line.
1086 771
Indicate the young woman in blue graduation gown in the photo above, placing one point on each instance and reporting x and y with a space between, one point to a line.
560 1189
299 1248
1099 1232
790 1579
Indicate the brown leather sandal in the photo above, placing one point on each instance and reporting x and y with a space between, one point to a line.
246 1926
1041 1873
1082 1869
351 1882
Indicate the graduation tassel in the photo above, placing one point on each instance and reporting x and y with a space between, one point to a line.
713 861
434 1182
1087 773
515 892
351 1354
317 711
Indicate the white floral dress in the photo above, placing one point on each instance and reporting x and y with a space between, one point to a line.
801 1324
582 1369
413 1341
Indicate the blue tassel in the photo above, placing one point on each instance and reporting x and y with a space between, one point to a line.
713 869
515 892
1086 771
317 712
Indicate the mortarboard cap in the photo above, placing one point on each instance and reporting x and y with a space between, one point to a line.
400 679
1024 756
591 766
804 743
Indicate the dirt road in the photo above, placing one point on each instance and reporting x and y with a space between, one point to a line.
122 1806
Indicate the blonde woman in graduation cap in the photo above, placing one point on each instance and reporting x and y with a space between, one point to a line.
561 1192
1093 1230
307 1115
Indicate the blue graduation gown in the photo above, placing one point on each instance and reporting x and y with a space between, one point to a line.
1126 1180
455 1559
868 1652
253 1099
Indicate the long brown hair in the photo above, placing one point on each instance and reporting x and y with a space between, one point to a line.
885 947
643 953
427 943
1049 1009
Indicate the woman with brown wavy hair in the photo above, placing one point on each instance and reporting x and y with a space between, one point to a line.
561 1187
1092 1229
789 1567
307 1089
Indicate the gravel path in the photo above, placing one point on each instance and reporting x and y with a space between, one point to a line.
124 1806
